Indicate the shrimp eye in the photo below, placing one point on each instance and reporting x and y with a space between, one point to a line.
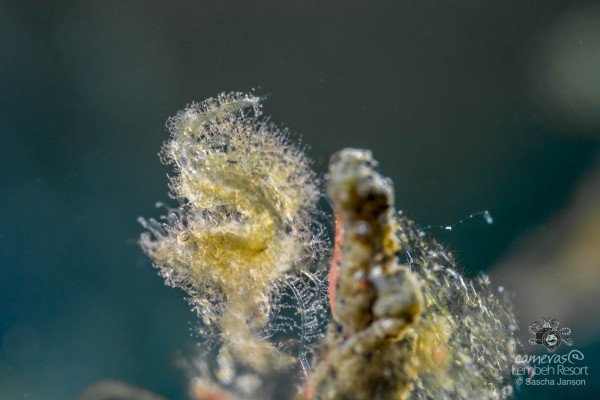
184 237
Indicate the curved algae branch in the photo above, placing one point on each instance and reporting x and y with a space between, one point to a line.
246 245
245 224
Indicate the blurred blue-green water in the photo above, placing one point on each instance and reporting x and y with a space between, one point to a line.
467 105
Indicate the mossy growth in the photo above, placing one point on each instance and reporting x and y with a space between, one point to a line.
247 245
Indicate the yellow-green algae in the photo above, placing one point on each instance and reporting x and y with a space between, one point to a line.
247 197
245 231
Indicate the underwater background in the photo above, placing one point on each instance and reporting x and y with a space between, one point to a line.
467 105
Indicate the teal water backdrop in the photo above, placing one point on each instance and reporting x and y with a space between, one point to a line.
467 105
